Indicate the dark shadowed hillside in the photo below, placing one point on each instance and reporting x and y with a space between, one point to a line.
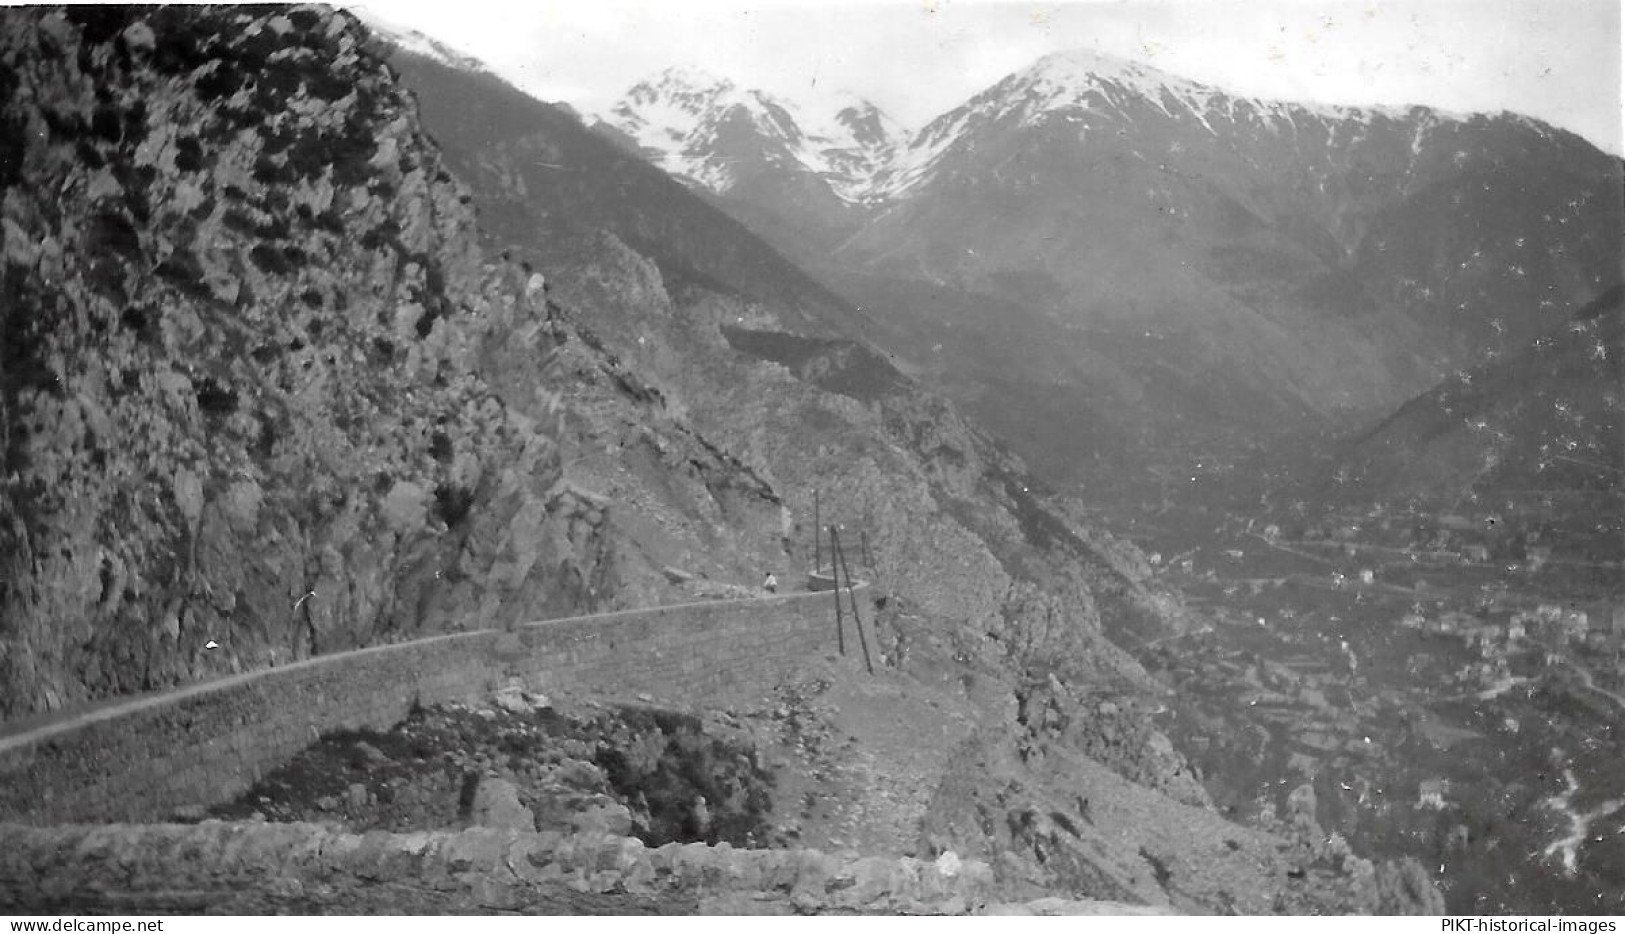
1536 438
570 182
1545 416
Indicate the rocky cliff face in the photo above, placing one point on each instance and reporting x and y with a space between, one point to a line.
262 397
262 388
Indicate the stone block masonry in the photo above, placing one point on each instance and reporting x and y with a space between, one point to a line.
256 869
141 759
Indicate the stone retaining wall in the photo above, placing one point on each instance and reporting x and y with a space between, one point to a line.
204 744
246 868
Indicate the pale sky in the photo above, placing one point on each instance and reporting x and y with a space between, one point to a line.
1558 60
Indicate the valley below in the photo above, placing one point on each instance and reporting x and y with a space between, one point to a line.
1428 696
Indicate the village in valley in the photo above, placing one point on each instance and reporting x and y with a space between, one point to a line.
1441 685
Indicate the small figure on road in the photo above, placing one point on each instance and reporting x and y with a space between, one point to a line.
771 584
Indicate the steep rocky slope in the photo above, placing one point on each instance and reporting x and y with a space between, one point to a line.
958 530
685 517
263 397
966 553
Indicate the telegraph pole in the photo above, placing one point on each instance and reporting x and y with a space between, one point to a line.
837 554
817 553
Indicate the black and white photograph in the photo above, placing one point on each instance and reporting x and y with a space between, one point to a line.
873 458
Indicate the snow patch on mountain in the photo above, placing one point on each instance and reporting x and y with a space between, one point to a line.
1063 78
709 130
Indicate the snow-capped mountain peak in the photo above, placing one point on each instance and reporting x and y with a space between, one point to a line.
1066 78
686 77
1080 69
714 133
663 111
1087 79
1096 95
685 90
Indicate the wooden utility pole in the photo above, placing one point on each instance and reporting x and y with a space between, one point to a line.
817 553
840 628
863 543
837 554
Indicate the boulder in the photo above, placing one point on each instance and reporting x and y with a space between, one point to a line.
520 701
603 816
357 796
496 805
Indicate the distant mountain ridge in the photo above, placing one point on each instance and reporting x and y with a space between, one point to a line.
674 117
1096 257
